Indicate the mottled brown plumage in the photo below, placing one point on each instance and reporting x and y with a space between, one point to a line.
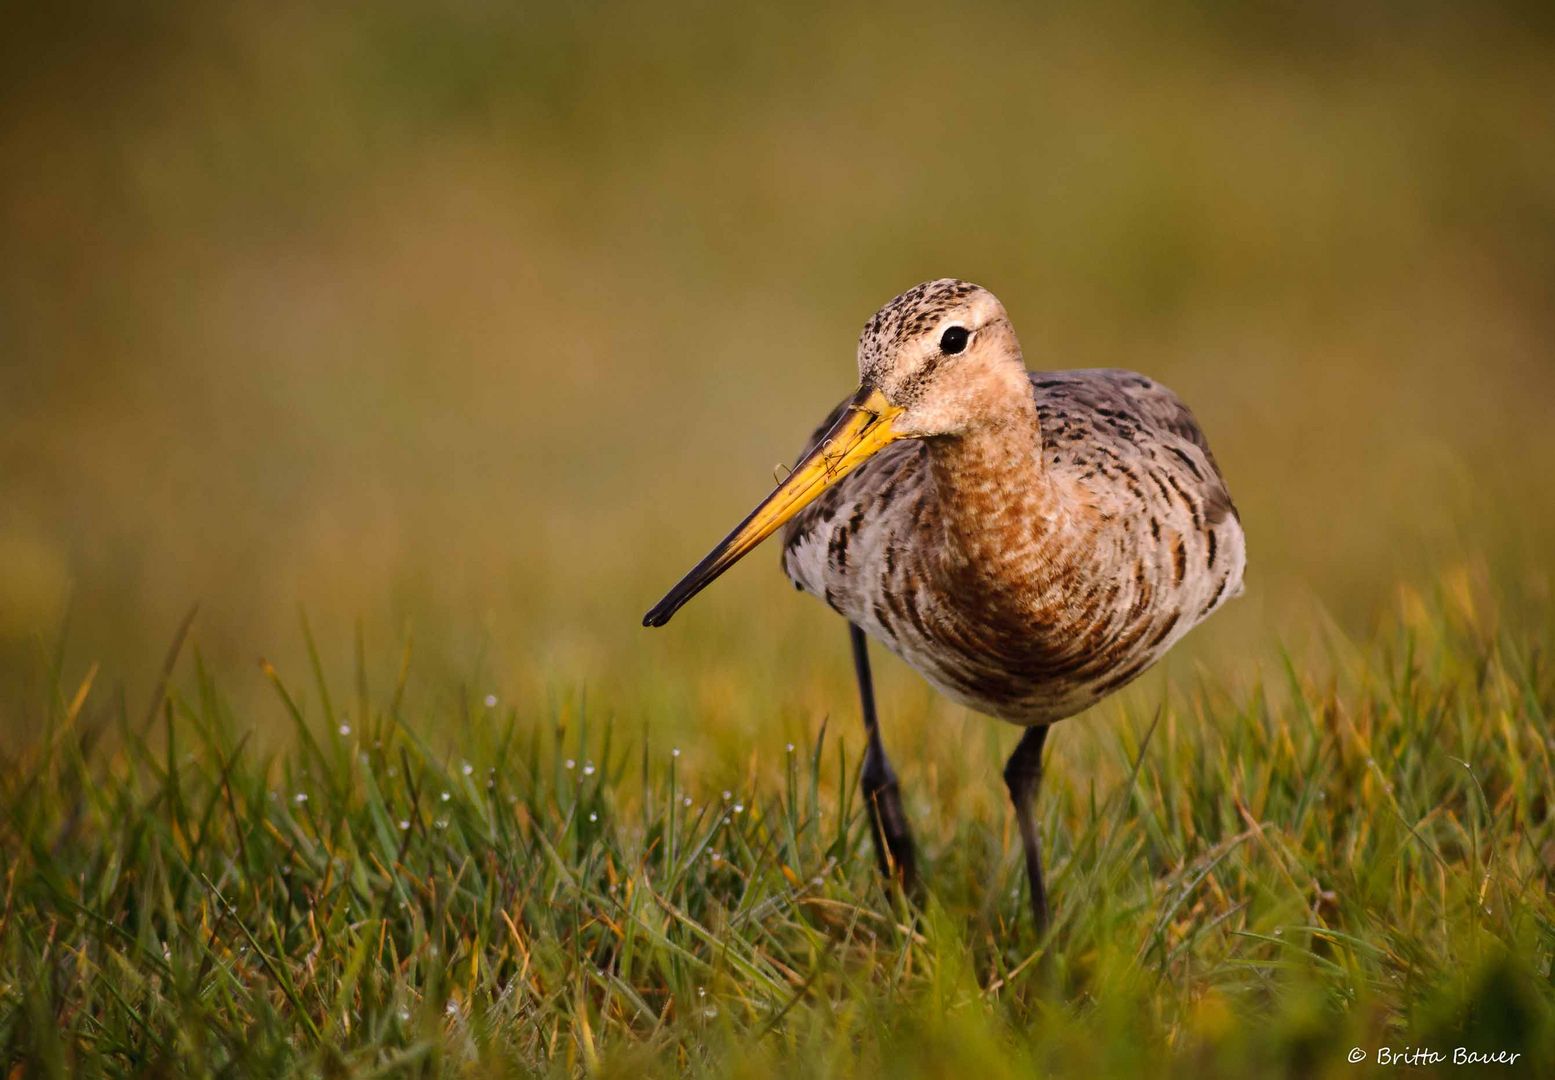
1029 542
1031 569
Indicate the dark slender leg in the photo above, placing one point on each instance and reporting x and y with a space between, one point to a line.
893 839
1023 775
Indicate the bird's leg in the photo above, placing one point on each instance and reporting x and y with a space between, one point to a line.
1023 775
893 839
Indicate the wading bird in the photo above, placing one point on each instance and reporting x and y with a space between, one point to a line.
1029 542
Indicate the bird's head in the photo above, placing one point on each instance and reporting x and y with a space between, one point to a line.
940 360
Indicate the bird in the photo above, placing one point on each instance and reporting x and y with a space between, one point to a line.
1028 541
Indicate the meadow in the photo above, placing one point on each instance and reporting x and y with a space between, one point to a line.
1245 884
415 352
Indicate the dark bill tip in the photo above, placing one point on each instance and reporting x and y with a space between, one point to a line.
700 577
657 617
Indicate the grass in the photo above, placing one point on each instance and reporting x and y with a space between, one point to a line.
1350 854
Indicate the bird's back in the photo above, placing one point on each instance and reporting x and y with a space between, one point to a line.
1144 542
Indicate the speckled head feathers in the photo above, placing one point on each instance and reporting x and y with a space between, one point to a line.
945 352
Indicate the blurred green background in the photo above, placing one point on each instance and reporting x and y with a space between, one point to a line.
483 321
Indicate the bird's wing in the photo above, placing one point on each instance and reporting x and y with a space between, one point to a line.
1121 406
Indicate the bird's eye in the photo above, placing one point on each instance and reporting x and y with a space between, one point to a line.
953 340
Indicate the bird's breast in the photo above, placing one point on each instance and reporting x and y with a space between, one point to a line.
1040 632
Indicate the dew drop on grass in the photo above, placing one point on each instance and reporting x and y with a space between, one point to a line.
593 817
300 798
345 729
686 801
491 701
445 796
570 763
588 768
739 808
404 825
790 748
467 768
728 795
674 751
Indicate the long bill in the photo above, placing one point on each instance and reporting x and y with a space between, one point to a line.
863 430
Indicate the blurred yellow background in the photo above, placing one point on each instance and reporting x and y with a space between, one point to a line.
486 320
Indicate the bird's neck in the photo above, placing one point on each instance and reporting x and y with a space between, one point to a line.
998 509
